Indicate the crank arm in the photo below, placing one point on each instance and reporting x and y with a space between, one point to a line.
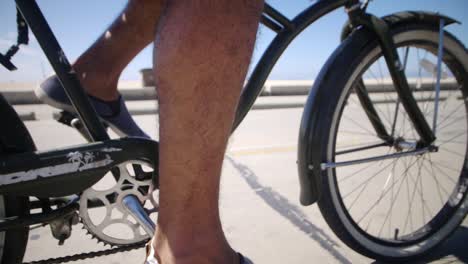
134 207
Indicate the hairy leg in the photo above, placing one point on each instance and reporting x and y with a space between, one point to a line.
100 66
202 53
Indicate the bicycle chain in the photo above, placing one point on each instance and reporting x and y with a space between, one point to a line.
88 255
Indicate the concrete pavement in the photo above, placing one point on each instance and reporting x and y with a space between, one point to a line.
259 199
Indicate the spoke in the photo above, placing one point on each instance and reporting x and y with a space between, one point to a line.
452 152
360 144
373 116
414 169
421 195
456 142
359 125
355 173
389 213
410 128
449 132
365 147
451 114
419 75
397 106
440 52
455 120
437 166
413 195
448 117
403 127
428 99
385 193
452 138
357 197
368 179
395 117
445 103
437 183
420 189
381 84
354 132
385 94
368 224
452 94
419 192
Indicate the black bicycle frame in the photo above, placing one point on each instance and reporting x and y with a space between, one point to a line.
287 31
381 30
76 181
59 62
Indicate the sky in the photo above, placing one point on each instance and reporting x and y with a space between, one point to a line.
77 24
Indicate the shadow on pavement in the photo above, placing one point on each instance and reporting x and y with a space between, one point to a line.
289 211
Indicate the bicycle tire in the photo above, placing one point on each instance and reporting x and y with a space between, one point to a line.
359 53
14 138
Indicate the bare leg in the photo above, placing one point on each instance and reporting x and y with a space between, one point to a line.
100 66
201 58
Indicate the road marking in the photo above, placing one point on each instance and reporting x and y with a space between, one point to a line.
263 150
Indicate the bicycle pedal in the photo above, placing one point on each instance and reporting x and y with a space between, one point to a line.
65 117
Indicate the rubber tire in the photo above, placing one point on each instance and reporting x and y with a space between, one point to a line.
335 77
14 138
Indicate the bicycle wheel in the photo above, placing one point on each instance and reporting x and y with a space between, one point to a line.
400 208
14 138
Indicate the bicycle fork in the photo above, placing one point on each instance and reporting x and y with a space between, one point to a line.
405 96
397 72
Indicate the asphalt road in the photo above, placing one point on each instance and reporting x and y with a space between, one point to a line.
259 201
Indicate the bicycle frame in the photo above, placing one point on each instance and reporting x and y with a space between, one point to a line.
146 149
287 31
24 184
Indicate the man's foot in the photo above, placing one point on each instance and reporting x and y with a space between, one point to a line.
150 255
114 113
242 260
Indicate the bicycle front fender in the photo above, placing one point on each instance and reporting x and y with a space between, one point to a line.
313 133
314 130
406 17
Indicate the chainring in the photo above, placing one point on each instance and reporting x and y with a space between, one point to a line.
109 222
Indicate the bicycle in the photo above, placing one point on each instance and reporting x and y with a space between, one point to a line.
393 138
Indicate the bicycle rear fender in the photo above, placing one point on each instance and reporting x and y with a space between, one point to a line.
312 135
